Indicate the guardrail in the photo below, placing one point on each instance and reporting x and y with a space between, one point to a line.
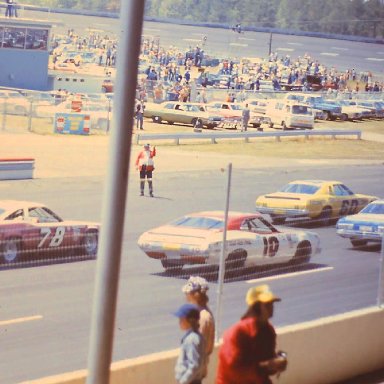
16 169
140 137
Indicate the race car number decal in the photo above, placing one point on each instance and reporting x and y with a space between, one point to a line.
349 207
57 238
271 246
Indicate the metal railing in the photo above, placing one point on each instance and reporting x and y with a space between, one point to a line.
212 136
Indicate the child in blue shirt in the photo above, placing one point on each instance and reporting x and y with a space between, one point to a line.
189 367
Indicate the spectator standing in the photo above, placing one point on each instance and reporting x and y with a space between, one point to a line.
14 8
190 363
187 76
9 8
145 165
248 352
108 61
196 293
245 116
139 114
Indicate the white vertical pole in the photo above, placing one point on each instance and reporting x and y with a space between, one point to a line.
380 290
220 279
115 195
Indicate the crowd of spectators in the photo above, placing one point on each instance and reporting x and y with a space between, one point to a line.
170 73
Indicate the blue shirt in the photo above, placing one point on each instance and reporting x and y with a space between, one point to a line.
190 363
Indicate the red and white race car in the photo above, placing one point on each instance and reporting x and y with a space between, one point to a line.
29 229
197 238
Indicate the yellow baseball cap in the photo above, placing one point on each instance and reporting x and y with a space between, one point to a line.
262 294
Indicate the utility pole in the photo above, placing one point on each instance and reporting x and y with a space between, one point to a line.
270 44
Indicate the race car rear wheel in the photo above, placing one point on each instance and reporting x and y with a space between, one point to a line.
11 249
359 243
277 220
172 266
236 259
324 218
303 253
90 242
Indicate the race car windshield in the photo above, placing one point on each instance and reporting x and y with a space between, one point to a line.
306 189
377 209
198 222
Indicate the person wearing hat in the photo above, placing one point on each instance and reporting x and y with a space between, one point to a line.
189 368
145 165
195 291
248 352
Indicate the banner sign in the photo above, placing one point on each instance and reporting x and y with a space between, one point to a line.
72 123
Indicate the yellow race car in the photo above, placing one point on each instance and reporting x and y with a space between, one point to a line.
320 200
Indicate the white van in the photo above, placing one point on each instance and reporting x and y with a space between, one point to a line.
289 114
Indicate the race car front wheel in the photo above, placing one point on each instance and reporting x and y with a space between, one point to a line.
11 250
236 259
358 243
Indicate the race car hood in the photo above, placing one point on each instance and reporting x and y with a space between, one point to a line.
365 218
75 223
176 235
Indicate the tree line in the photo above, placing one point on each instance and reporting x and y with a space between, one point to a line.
347 17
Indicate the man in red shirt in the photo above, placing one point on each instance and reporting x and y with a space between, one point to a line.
145 165
248 353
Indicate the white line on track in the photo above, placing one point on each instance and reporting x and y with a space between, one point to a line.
285 275
374 59
329 54
192 39
340 48
285 49
239 45
246 38
294 44
20 320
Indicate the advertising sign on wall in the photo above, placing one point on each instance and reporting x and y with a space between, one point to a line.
72 123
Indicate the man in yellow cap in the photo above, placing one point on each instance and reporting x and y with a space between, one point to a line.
248 352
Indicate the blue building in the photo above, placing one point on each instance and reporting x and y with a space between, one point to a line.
24 53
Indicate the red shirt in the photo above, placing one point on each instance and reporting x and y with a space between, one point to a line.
244 347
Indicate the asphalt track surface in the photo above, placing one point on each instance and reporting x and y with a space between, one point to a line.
52 299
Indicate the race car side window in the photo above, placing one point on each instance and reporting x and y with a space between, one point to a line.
43 215
19 214
342 190
255 225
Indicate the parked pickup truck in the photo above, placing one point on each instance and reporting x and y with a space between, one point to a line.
318 104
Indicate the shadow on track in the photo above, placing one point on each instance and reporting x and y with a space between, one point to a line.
241 274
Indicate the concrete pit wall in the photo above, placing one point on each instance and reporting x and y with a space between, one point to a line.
323 351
